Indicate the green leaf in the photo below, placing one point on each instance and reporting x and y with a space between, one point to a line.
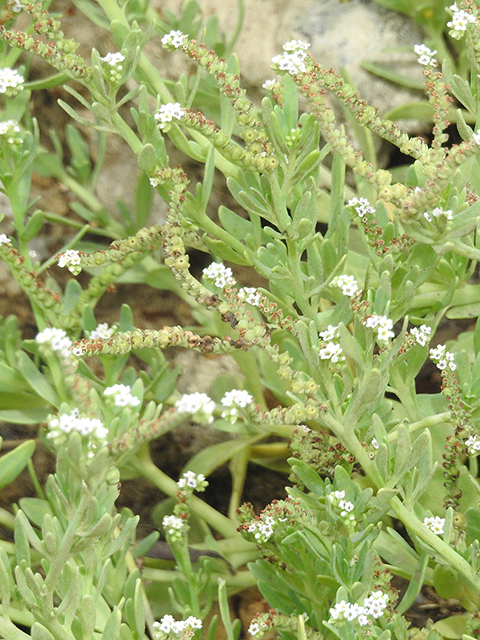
12 463
36 380
211 458
33 226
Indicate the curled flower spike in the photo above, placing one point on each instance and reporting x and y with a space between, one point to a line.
167 113
425 55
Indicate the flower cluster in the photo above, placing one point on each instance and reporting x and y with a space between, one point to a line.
330 349
383 326
233 400
199 405
173 40
347 284
167 113
460 20
345 507
65 423
437 212
70 259
293 58
114 66
56 339
435 524
473 445
194 481
102 332
250 295
362 206
173 525
425 55
421 334
122 395
222 275
373 607
443 358
9 128
10 80
168 626
4 239
262 529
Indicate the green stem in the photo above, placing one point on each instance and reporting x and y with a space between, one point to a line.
10 632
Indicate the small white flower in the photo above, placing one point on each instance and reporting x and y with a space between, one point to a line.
331 351
56 339
70 259
382 324
437 212
102 332
113 59
9 128
421 334
425 55
250 295
473 445
190 479
254 628
435 524
233 400
4 239
17 6
362 206
459 22
122 395
171 524
67 422
199 405
443 358
10 79
329 334
293 58
476 137
173 39
374 443
268 84
222 275
347 284
167 113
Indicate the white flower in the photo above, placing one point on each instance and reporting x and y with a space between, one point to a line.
222 275
330 334
473 445
250 295
254 628
262 529
425 55
435 524
233 400
476 137
331 351
9 128
438 211
56 339
70 259
9 78
68 422
17 6
102 332
4 239
268 84
362 206
347 284
443 358
382 324
122 395
169 626
113 59
293 58
373 607
171 524
199 405
376 604
459 22
168 112
173 39
374 443
190 479
421 334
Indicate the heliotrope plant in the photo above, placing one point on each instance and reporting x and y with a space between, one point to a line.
359 269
